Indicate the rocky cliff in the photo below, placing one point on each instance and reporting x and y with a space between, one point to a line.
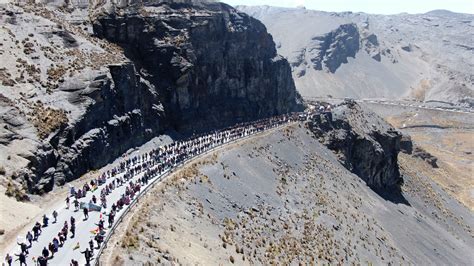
211 65
72 102
332 49
364 143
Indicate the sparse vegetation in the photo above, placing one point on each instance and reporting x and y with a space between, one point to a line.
16 191
46 119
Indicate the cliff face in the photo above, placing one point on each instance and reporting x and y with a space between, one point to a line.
211 65
365 144
178 66
333 49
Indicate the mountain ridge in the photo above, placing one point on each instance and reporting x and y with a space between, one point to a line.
418 57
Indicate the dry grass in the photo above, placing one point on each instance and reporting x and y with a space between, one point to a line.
46 119
16 191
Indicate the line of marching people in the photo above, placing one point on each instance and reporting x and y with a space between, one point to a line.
151 165
49 250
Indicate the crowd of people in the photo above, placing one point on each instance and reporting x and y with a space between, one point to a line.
134 173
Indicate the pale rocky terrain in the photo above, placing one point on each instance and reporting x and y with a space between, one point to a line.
283 197
417 56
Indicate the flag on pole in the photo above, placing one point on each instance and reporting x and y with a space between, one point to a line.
95 231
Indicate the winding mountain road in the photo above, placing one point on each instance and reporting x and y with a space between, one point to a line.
72 248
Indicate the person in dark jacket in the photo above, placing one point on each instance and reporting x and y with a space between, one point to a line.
42 261
21 258
45 220
23 247
86 213
45 252
73 230
87 255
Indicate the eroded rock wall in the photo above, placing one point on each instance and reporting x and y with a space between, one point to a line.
211 65
364 143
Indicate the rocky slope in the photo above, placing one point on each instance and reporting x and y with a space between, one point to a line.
364 142
285 198
426 57
72 100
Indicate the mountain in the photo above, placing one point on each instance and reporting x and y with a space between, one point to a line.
425 57
83 82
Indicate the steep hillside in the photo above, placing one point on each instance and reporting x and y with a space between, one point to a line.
423 57
285 198
72 100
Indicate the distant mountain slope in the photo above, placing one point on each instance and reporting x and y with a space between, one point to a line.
426 56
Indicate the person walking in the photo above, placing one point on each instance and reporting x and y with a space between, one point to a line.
86 213
76 205
45 252
36 231
73 230
87 255
42 261
29 237
91 245
62 239
99 239
21 258
56 244
8 259
67 202
51 249
45 220
55 216
23 247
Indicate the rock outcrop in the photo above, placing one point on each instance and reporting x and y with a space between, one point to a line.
365 143
211 65
419 152
332 49
184 66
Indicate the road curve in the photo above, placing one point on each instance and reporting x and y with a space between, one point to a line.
72 248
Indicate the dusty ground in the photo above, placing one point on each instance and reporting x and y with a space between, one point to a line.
284 198
446 135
